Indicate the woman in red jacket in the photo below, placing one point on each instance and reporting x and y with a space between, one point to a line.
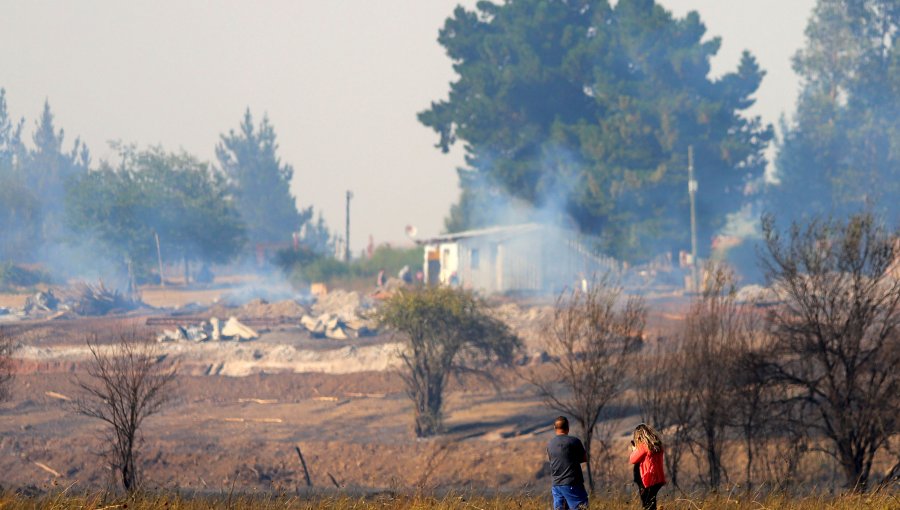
647 456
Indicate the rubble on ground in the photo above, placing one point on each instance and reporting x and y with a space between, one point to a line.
343 303
526 322
95 299
234 329
337 328
340 315
210 330
42 301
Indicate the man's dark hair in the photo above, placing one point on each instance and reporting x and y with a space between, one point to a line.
561 423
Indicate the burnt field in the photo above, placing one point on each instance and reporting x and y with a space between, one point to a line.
239 409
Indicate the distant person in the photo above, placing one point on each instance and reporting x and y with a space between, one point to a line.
647 457
380 279
566 453
405 274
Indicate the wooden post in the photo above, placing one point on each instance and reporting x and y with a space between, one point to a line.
333 480
162 278
303 463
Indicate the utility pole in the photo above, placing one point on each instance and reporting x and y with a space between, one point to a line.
162 278
692 191
347 232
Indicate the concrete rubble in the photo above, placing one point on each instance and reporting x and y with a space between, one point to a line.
211 330
336 327
340 315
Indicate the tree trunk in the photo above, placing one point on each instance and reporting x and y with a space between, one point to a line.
712 459
588 439
749 466
428 410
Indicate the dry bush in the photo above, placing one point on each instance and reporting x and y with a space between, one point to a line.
126 383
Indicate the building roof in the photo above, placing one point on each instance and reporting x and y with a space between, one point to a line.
498 231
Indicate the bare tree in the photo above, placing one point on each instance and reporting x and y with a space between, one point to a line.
664 401
714 329
6 372
126 383
836 336
447 332
589 338
752 404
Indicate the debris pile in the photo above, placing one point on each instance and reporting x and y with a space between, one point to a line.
95 299
336 327
345 304
41 302
340 315
209 330
526 322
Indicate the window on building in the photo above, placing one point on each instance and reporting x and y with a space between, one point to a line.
474 258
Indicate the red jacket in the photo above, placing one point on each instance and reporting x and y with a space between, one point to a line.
651 465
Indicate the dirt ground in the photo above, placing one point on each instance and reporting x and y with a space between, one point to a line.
240 409
223 430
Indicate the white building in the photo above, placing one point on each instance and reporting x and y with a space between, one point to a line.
530 258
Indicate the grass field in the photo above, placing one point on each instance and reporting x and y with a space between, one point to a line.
168 500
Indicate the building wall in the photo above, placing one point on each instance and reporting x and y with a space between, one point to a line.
543 260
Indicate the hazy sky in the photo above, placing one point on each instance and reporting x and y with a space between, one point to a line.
341 80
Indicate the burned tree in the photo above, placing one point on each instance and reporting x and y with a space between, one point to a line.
835 337
446 332
126 383
715 330
589 337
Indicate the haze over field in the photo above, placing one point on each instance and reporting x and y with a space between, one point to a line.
341 81
677 215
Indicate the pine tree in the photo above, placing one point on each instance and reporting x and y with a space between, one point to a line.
841 153
261 182
584 111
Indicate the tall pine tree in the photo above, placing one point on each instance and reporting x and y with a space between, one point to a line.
841 153
20 211
48 168
587 110
261 182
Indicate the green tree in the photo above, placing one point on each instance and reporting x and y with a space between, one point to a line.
20 211
445 332
152 192
48 167
261 182
841 152
586 109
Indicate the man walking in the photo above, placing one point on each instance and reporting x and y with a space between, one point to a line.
566 453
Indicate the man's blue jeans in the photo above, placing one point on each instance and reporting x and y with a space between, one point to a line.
572 495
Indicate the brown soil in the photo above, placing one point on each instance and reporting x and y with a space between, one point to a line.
221 431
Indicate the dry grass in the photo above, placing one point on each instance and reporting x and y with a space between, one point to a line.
170 500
